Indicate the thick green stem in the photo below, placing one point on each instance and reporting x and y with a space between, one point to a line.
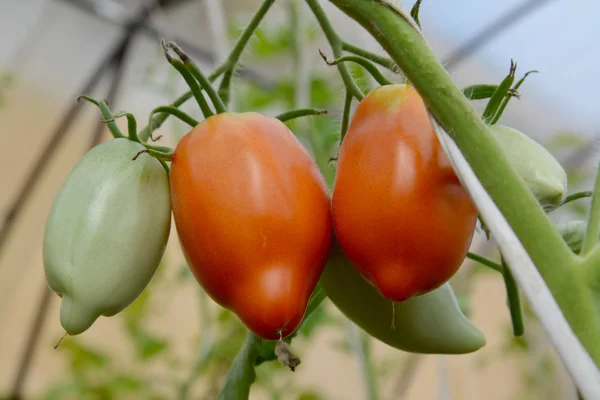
302 112
337 46
363 62
376 58
452 110
593 226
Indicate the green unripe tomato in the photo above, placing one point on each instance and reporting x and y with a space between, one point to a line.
544 176
431 323
106 232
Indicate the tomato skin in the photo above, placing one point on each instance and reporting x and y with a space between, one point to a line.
400 213
253 216
106 232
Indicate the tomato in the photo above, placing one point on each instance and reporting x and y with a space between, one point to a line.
399 211
432 323
106 232
253 216
542 173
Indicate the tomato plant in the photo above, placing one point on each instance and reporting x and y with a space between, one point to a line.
256 223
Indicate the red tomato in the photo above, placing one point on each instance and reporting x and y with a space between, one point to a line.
399 211
253 217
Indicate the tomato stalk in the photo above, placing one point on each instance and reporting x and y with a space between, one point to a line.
337 46
156 121
169 110
189 79
444 99
200 77
577 196
346 115
363 62
514 300
302 112
485 261
376 58
234 57
107 115
228 66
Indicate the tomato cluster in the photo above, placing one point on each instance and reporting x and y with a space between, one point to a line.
255 220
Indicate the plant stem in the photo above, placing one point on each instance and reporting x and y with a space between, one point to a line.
363 62
337 46
485 261
514 301
576 196
302 112
501 181
346 115
200 77
238 49
591 234
359 342
107 116
376 58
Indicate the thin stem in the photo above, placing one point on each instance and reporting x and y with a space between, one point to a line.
359 342
337 46
131 126
303 112
366 64
514 301
593 226
509 96
491 110
518 206
238 49
189 79
346 115
170 110
485 261
577 196
200 77
107 116
376 58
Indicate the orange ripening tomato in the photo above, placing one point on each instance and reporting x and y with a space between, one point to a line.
400 213
253 217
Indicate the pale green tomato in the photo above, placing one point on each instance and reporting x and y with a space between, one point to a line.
431 323
106 232
539 169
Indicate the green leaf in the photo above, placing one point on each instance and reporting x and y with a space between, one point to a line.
414 12
502 91
479 92
125 383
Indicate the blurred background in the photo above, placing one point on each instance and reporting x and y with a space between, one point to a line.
174 342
